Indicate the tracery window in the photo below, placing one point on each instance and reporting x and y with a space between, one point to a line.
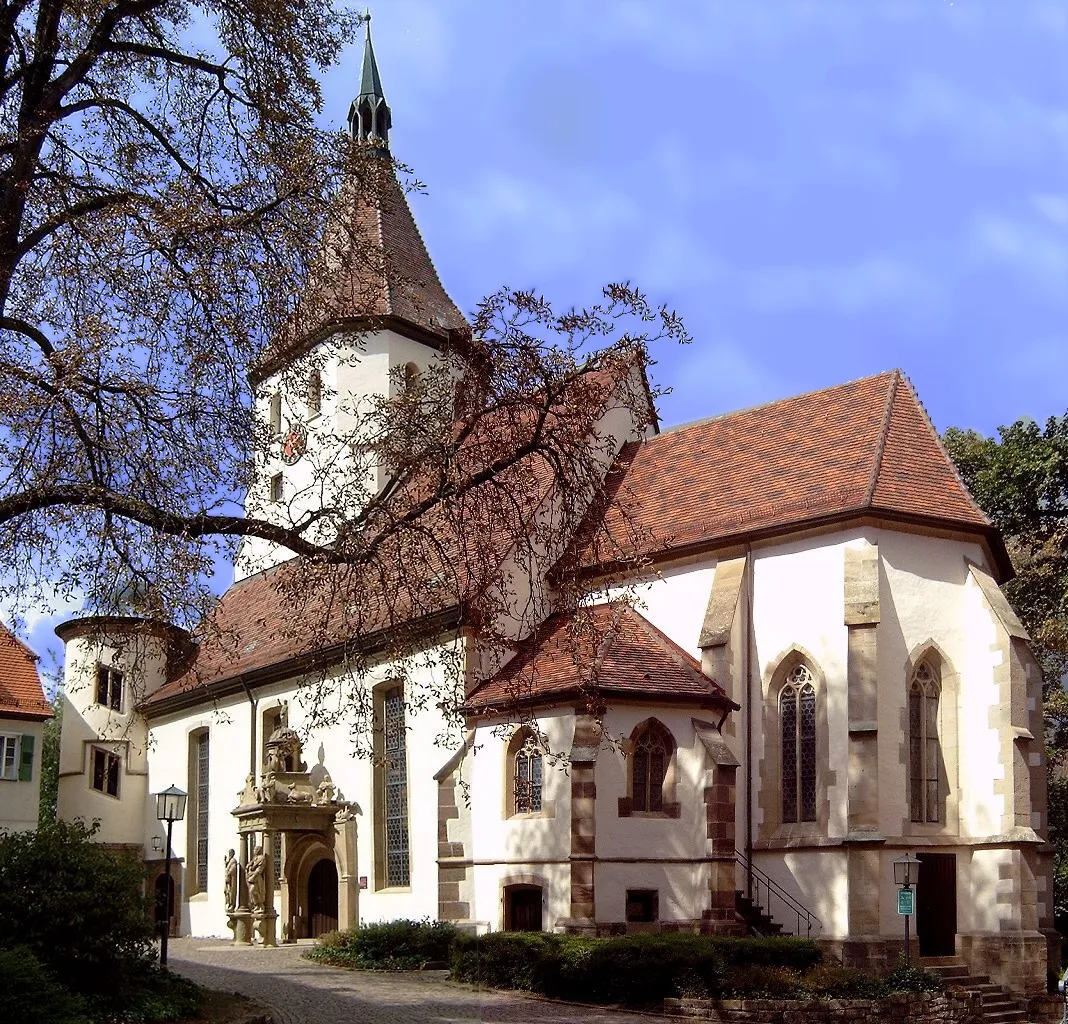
797 715
527 768
924 754
396 789
650 756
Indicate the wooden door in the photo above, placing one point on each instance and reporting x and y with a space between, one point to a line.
522 908
936 904
322 898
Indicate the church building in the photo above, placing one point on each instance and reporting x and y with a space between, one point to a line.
820 674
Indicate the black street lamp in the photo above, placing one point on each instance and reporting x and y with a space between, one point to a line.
170 807
906 874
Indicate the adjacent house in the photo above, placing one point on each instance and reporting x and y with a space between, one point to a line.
23 712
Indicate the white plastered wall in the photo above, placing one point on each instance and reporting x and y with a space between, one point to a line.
88 725
354 369
326 749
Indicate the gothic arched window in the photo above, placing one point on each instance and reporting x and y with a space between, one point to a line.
650 756
527 768
797 715
924 755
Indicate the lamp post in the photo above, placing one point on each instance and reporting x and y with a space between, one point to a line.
906 874
170 807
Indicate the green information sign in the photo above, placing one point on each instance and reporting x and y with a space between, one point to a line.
906 902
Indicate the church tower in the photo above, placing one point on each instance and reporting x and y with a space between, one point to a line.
374 315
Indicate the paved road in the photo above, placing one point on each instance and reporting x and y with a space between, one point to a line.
300 992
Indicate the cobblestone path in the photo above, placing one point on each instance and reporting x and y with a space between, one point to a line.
299 992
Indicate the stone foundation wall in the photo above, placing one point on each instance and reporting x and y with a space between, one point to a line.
903 1008
1014 961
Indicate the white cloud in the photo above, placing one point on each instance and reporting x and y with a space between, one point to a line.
1053 207
850 288
1010 127
712 377
1035 253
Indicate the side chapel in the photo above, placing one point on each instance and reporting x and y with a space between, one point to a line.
822 675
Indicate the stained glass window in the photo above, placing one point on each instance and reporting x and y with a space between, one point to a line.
396 789
202 812
797 717
528 772
651 754
925 803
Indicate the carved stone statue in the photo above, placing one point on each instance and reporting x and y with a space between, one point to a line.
284 752
325 793
255 876
230 880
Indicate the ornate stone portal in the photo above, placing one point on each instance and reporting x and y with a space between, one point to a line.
285 802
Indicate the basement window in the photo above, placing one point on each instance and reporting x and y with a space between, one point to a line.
643 906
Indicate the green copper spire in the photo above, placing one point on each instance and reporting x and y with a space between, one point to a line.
369 116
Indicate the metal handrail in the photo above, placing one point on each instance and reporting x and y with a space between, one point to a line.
772 888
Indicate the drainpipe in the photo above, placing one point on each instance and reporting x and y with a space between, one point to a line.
251 730
747 672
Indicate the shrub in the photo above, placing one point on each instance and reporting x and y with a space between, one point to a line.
153 998
634 970
29 994
914 979
503 959
77 906
391 946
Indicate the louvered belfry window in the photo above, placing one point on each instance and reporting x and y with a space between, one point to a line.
396 789
651 754
528 776
924 755
797 714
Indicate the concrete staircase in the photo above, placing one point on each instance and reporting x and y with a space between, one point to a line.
999 1006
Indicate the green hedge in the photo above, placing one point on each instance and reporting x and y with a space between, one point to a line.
634 970
392 946
643 970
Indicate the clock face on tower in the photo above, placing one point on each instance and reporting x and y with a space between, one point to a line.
294 444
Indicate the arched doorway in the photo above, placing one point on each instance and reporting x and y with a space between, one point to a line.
322 898
164 887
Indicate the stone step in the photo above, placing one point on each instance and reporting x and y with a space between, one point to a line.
1004 1017
935 962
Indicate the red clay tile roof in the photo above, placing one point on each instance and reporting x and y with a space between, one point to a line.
863 447
610 650
21 695
377 267
265 620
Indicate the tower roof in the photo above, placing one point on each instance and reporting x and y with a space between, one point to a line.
369 115
370 82
373 269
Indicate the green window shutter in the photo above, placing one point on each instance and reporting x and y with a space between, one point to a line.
26 761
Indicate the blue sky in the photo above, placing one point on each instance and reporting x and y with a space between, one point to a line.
823 189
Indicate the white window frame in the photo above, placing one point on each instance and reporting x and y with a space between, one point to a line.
13 742
93 751
114 677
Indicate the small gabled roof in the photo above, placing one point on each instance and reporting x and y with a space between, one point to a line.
608 650
21 695
866 447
